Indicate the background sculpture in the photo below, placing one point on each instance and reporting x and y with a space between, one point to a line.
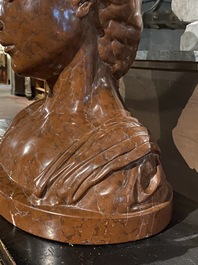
76 167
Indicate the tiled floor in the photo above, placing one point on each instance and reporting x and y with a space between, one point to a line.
10 105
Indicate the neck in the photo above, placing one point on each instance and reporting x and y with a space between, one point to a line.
85 87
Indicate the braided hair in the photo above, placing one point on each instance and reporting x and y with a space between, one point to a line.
119 26
122 24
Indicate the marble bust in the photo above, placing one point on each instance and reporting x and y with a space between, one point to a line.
77 167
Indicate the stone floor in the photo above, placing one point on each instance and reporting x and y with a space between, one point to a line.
10 105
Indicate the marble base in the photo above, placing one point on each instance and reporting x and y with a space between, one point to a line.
76 226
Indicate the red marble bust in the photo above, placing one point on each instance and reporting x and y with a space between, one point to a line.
77 167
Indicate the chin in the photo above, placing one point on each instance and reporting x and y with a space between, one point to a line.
19 69
28 71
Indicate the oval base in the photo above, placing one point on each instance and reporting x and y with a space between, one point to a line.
77 226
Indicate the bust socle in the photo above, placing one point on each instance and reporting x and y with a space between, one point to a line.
76 167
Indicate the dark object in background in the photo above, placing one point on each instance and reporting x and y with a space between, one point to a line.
19 85
158 15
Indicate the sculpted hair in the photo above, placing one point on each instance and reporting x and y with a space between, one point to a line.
122 25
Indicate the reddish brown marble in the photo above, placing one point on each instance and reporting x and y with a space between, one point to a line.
76 167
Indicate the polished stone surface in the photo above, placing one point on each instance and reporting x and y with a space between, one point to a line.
77 167
177 245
